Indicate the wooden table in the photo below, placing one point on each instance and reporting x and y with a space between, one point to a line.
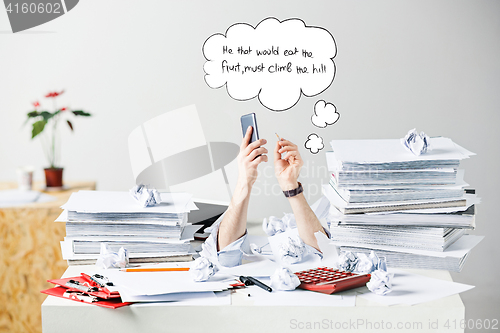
29 255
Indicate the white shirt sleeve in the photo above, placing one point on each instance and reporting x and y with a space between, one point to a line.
232 254
229 256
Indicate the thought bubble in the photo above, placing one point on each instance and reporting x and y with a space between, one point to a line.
314 143
324 114
275 61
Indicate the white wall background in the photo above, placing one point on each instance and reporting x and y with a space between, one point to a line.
433 65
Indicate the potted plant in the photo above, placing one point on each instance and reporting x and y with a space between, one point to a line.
50 139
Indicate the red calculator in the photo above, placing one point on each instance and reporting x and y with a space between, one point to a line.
328 280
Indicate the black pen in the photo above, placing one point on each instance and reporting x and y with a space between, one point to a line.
248 281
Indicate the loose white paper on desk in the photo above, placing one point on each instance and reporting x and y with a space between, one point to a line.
173 297
411 289
297 297
10 198
260 268
218 298
266 268
123 202
158 283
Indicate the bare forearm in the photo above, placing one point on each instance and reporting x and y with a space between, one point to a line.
234 223
307 222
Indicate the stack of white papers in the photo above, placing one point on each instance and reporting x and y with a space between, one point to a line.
423 238
382 195
366 155
451 259
381 175
346 207
150 234
461 219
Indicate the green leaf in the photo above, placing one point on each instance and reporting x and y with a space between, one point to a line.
38 128
81 113
33 114
46 115
70 125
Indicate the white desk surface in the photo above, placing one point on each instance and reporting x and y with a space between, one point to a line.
60 315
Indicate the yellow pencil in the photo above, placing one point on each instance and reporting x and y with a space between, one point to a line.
171 269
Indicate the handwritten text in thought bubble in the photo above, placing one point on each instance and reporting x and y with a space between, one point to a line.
276 61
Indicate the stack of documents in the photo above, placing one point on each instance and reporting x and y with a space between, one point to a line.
423 238
385 198
381 175
451 259
462 219
150 234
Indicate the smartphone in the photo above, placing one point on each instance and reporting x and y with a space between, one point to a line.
250 120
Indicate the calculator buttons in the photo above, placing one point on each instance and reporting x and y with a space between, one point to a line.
328 280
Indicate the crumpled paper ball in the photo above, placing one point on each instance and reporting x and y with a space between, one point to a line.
109 259
203 269
367 264
418 144
382 264
360 263
145 196
380 282
347 261
256 249
284 279
289 221
292 251
273 225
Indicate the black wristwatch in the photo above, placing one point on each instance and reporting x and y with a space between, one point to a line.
294 192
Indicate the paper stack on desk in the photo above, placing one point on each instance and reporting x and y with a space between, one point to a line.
150 234
383 197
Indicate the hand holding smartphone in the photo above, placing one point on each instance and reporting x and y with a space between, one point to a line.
250 120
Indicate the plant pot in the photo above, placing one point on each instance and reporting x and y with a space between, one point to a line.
53 177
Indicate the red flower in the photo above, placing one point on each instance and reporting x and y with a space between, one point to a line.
63 109
36 104
54 94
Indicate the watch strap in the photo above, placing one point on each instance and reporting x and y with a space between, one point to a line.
294 192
